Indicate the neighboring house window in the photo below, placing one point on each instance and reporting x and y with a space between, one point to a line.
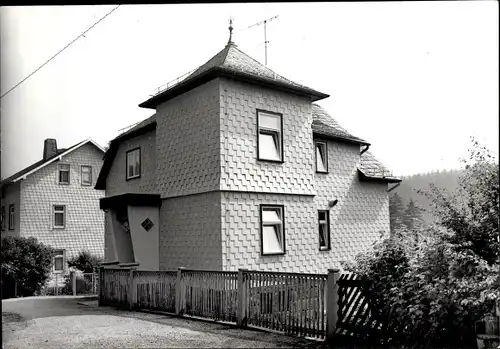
321 157
86 175
63 173
272 229
134 163
59 216
2 217
270 136
12 210
59 261
324 230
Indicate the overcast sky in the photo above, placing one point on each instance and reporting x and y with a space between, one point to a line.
415 79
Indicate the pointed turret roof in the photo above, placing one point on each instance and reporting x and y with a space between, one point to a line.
233 63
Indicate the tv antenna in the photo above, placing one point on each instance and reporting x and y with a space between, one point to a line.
265 31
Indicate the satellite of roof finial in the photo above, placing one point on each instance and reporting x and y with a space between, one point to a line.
230 31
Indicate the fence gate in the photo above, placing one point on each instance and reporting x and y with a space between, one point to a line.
356 319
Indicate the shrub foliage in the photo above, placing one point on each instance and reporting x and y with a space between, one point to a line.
28 262
429 285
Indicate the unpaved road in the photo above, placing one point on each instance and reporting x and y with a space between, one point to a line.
56 322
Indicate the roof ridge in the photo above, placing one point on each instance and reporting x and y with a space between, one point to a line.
265 66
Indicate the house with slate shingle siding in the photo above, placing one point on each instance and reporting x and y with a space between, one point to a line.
240 168
54 200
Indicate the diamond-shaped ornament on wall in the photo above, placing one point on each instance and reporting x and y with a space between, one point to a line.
147 224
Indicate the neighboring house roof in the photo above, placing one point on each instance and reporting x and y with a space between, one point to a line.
42 163
233 63
325 125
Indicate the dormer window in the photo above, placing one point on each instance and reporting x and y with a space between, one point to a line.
134 163
321 157
270 136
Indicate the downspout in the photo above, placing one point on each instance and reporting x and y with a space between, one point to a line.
394 187
366 148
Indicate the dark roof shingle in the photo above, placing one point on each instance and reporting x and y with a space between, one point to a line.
237 64
325 125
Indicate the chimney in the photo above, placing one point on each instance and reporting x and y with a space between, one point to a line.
49 148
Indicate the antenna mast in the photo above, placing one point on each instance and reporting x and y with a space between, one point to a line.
265 31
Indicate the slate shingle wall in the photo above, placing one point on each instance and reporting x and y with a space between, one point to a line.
12 197
240 168
84 220
116 182
190 232
362 210
187 138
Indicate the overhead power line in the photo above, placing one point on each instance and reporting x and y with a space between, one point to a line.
64 48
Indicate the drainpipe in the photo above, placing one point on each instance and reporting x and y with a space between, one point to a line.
366 148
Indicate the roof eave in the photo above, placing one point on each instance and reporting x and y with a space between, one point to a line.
368 178
339 138
216 72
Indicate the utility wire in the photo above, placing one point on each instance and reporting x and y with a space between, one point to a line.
64 48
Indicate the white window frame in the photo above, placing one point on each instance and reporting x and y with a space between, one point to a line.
321 147
89 168
59 254
58 211
137 169
279 228
325 223
61 166
268 130
12 216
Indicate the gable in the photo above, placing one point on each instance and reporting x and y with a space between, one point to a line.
42 163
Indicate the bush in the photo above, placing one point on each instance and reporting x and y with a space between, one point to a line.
427 294
429 285
84 262
26 261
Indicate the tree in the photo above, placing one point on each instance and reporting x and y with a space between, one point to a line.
396 212
412 217
28 262
471 213
85 262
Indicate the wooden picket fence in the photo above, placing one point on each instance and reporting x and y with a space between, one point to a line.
356 318
306 305
287 302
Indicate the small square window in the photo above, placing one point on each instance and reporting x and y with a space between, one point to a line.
64 173
133 163
272 230
270 136
86 175
324 230
147 224
321 157
59 261
59 216
12 211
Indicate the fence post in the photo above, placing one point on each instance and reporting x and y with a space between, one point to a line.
57 285
332 303
179 295
100 301
132 289
240 310
72 275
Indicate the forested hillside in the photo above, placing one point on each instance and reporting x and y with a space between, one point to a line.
407 191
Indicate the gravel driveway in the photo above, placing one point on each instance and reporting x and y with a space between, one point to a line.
61 322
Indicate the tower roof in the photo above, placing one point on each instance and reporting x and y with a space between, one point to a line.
233 63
